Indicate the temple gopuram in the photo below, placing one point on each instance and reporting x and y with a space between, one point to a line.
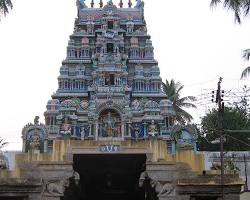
110 131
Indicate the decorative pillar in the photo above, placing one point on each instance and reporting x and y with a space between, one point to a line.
74 130
173 147
96 130
144 129
59 125
122 127
129 129
45 146
195 146
24 145
90 130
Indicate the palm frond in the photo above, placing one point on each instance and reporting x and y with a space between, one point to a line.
183 114
5 5
246 7
237 6
172 89
179 88
2 143
188 98
246 54
234 5
214 2
245 73
186 105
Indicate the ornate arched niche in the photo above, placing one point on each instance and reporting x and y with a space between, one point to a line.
110 123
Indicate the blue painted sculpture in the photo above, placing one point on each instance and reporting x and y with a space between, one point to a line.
139 4
82 4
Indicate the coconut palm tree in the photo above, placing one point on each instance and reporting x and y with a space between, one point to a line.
246 71
239 7
173 89
5 6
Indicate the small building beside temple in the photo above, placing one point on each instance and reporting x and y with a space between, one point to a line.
109 130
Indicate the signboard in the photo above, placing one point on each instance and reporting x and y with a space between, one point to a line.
109 148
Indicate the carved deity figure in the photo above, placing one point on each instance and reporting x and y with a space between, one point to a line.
109 125
124 60
66 127
101 80
152 129
82 133
4 164
35 141
82 4
36 120
136 128
136 105
139 4
94 60
137 131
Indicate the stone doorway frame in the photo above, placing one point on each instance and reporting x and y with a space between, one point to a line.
95 150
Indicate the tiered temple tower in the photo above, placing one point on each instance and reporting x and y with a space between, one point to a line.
109 130
109 87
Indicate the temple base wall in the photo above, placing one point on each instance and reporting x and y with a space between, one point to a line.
46 180
155 150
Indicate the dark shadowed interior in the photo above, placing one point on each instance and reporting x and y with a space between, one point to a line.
13 198
109 176
205 198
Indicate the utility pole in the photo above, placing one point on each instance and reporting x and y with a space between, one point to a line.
219 101
245 164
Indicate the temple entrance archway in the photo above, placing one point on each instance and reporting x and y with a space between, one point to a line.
109 176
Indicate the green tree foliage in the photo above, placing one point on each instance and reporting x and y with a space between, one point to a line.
234 118
5 6
239 7
173 89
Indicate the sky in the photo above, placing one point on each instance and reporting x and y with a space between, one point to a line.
193 44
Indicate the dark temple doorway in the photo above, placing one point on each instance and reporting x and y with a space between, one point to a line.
205 198
109 176
13 198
